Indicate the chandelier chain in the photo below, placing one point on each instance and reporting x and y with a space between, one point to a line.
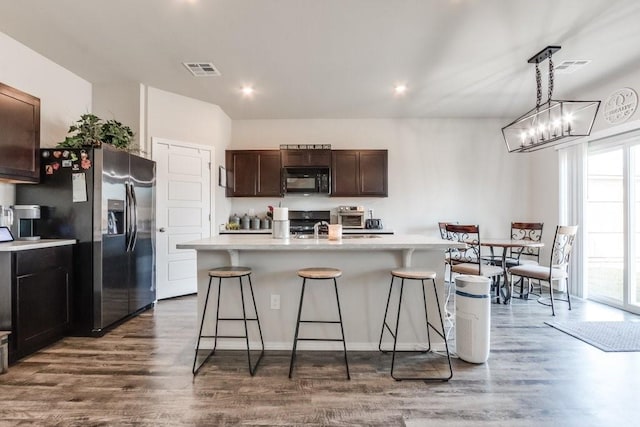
538 86
550 78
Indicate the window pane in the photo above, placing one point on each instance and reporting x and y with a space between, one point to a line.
605 225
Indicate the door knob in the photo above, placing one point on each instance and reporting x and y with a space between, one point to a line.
162 230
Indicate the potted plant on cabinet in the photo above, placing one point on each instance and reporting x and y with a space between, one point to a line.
92 131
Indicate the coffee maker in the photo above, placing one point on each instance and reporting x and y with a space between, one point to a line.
6 216
24 217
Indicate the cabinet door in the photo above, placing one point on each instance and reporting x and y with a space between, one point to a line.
42 309
244 168
373 173
41 298
19 136
359 173
255 173
268 173
304 158
345 175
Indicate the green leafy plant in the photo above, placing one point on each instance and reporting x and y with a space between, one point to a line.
90 130
117 134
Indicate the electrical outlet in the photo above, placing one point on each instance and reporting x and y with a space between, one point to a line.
275 302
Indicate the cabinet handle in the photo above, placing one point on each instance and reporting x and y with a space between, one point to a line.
162 230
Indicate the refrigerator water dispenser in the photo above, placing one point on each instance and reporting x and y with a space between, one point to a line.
115 216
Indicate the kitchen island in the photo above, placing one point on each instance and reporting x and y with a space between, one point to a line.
366 262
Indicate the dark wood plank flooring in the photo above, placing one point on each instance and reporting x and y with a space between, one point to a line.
140 374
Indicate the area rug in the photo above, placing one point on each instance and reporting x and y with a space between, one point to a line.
607 336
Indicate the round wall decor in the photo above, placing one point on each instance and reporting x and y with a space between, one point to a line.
620 105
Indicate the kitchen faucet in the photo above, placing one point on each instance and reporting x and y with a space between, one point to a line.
316 228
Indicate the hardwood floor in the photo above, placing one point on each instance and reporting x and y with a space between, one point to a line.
140 374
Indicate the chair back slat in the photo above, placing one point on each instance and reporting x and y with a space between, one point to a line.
469 234
526 231
442 226
563 244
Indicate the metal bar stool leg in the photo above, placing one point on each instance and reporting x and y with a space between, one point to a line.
252 369
553 311
295 337
426 317
194 370
384 320
215 339
255 308
395 336
442 335
344 342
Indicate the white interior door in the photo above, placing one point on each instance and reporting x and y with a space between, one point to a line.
183 212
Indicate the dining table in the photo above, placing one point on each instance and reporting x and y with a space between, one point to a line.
505 244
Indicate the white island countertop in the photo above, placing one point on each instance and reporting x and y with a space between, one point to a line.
266 242
25 245
344 231
407 243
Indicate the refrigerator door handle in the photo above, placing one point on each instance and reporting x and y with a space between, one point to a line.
134 226
129 233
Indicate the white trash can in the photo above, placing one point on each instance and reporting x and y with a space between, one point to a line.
4 351
473 318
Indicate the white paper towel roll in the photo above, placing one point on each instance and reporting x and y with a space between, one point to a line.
280 214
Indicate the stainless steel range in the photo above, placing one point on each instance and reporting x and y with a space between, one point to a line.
302 222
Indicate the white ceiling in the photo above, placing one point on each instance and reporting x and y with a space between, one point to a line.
336 58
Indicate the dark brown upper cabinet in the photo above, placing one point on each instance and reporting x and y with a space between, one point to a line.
19 136
359 173
303 158
253 173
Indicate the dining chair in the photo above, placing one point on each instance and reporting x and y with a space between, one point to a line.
442 226
558 268
525 231
469 261
527 255
524 255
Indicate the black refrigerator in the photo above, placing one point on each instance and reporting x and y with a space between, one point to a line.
105 199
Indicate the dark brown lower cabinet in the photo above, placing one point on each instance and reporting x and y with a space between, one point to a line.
39 287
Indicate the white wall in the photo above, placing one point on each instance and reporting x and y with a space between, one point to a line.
63 95
179 118
439 169
120 102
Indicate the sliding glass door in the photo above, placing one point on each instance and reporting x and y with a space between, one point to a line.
612 224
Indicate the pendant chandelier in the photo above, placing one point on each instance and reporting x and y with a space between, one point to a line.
550 123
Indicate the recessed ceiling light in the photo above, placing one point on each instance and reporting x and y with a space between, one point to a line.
400 89
247 90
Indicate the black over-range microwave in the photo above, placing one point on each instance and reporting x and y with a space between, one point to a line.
306 181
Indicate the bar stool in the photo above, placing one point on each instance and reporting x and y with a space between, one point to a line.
227 273
414 274
319 273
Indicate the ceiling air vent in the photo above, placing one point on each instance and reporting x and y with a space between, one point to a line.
202 69
569 66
